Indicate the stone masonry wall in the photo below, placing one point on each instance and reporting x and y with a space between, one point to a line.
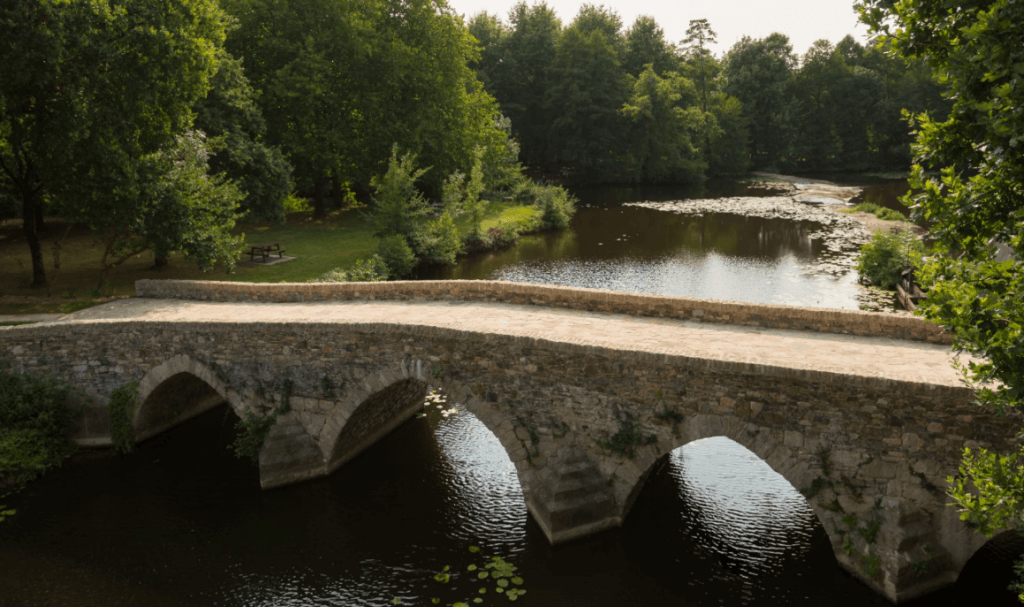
878 450
594 300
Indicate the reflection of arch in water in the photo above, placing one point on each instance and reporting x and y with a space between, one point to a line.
746 511
176 391
780 459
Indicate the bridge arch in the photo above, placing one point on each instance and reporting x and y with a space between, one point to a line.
177 390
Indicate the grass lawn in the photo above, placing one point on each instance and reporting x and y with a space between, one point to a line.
317 245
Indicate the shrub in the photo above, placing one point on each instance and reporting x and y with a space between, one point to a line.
365 270
438 241
252 433
399 206
878 211
294 204
555 203
397 255
887 255
35 420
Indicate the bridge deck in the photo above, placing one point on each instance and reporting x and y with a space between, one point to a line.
826 352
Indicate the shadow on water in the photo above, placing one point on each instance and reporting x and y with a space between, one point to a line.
181 522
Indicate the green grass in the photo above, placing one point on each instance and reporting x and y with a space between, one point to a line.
878 211
317 245
14 324
499 213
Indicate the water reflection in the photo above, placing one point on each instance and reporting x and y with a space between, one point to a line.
181 522
715 256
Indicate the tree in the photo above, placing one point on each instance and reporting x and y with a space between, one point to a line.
235 129
976 205
344 81
83 100
661 147
698 36
760 74
588 89
645 43
529 60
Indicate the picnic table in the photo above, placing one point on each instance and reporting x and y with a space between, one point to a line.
264 250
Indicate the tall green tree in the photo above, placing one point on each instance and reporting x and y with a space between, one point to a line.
87 91
588 89
698 36
233 123
977 205
528 63
760 74
664 121
644 42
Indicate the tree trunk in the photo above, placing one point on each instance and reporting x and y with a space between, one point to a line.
319 209
40 224
159 263
30 226
336 191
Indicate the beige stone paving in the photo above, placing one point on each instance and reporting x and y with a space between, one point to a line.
847 354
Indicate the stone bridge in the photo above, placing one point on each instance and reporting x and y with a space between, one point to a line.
585 390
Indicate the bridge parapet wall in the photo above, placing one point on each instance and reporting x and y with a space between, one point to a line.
851 322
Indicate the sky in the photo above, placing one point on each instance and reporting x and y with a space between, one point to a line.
804 21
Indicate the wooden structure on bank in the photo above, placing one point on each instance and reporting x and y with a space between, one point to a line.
908 292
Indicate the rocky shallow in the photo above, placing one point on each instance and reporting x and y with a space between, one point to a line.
841 235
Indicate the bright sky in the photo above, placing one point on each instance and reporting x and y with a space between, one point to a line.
804 21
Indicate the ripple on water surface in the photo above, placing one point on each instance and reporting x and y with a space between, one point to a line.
181 522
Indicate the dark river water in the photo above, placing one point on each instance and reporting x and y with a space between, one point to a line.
713 256
181 522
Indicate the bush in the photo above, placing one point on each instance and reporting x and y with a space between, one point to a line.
397 255
438 241
878 211
35 420
884 258
554 202
365 270
294 204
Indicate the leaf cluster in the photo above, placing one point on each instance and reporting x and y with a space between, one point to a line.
36 417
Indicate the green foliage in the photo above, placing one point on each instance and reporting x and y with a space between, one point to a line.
878 211
662 149
252 432
36 417
883 259
397 255
399 207
998 502
119 85
817 485
850 520
629 436
848 546
872 565
120 408
870 531
437 240
554 202
1018 585
230 116
373 269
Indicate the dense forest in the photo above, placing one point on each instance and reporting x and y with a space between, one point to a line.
597 99
161 123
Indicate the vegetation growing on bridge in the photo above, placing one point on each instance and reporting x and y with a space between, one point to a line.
120 408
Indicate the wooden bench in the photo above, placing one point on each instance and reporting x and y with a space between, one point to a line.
264 250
